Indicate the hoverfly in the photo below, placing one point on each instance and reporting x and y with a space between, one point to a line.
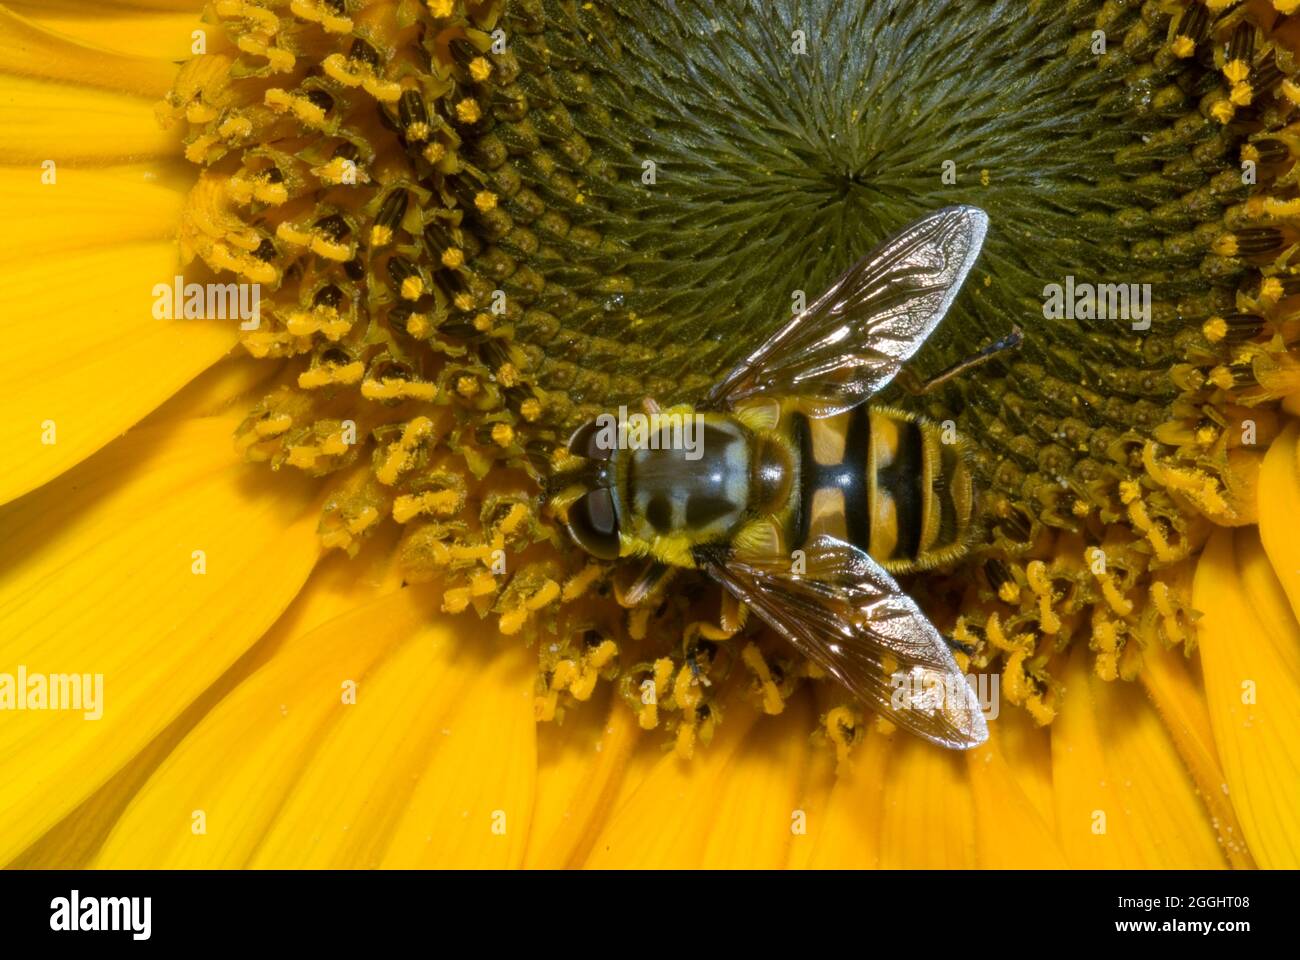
802 499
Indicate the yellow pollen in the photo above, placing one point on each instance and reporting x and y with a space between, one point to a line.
418 326
476 553
273 426
455 600
686 690
684 745
329 375
400 454
1225 245
468 111
1117 601
841 729
508 375
1235 71
512 521
1106 641
1276 207
1163 599
1221 377
437 502
581 582
391 388
771 696
1223 111
1036 573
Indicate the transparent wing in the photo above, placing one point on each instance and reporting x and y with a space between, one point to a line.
853 340
847 615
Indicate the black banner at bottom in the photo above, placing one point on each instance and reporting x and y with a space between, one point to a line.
208 908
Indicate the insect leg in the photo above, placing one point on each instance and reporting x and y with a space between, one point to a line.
966 648
909 382
647 581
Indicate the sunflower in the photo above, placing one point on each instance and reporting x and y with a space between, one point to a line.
302 548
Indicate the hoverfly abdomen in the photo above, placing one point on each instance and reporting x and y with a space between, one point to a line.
882 480
925 476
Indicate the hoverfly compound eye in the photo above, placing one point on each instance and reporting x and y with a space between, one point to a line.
585 442
593 524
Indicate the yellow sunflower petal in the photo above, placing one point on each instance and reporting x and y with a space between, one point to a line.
1279 503
88 207
1009 831
1179 696
146 30
733 805
364 765
427 764
929 813
1123 796
344 622
473 803
580 765
68 124
1248 642
28 49
845 809
339 584
85 358
1026 748
431 766
99 574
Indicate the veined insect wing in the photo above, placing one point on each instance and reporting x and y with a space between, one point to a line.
848 615
856 336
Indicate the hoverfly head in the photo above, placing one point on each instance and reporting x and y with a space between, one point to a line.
593 524
591 441
592 518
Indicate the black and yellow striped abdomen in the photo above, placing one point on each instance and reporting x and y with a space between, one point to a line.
897 486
